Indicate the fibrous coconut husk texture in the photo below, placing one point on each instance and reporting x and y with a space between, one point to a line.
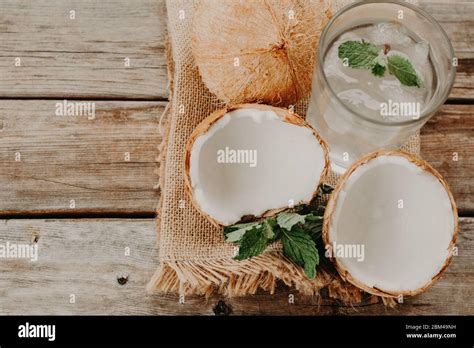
258 51
194 258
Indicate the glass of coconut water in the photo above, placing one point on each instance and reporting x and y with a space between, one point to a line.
383 69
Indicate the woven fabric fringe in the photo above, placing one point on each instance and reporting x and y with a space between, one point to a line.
234 278
194 259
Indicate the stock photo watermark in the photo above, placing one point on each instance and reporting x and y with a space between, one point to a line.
400 109
78 109
233 156
350 251
28 330
19 251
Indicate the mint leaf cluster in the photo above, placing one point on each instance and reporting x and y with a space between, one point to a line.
365 55
297 230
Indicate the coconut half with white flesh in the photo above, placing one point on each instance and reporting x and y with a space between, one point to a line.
390 225
253 161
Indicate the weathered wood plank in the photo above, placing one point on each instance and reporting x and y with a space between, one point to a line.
64 158
79 257
457 19
83 57
447 142
71 157
86 258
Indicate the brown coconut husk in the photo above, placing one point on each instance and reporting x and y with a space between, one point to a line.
284 114
332 204
259 51
194 259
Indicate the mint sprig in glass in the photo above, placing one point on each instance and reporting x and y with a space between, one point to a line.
383 69
366 55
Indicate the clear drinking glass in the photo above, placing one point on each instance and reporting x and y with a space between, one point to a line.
351 132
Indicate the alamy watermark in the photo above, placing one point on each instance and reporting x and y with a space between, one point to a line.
351 251
400 109
19 251
28 330
229 155
68 108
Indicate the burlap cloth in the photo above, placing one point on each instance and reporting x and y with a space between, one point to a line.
194 258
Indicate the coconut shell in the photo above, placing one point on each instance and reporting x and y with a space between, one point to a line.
285 114
330 208
260 51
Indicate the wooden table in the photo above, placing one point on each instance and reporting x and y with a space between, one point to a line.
66 183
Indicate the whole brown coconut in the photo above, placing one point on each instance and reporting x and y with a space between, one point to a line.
258 51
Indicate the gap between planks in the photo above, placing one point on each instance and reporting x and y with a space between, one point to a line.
73 158
87 258
84 57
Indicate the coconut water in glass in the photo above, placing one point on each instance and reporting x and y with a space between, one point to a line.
358 110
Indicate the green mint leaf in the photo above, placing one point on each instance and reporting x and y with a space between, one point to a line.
378 70
358 54
267 227
300 248
403 70
313 226
288 220
253 242
326 189
365 55
233 234
313 218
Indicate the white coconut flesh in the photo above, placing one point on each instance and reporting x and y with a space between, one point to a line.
402 216
288 165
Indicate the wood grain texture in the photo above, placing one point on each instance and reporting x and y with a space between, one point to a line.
457 19
447 143
83 57
71 157
64 158
67 158
87 258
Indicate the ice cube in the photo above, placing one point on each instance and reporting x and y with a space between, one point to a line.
398 93
389 33
398 53
347 36
334 68
419 53
358 98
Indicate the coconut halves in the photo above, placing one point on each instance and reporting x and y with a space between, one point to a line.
252 161
390 225
259 51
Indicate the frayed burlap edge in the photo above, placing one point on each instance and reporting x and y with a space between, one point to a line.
236 278
163 129
233 278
